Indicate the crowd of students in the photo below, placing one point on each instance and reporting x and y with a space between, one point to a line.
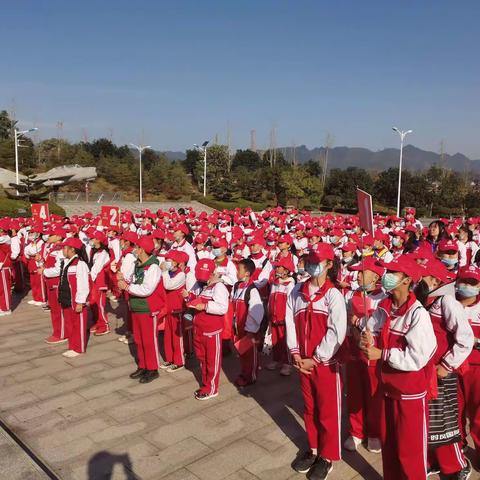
391 318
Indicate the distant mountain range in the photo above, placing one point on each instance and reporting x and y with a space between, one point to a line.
342 157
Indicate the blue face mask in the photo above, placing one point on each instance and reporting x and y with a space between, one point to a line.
396 242
300 271
390 282
449 262
466 291
333 239
315 270
216 252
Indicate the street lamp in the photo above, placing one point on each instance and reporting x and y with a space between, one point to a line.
204 148
402 134
140 149
17 134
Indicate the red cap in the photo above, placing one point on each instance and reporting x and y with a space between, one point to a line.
323 251
59 232
177 256
256 240
220 243
424 250
349 247
469 272
146 243
379 235
287 263
314 232
285 239
159 234
369 263
435 268
204 269
73 242
406 265
130 237
201 238
399 233
101 237
182 227
445 245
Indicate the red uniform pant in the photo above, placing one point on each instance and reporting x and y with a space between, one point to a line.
38 287
76 329
208 348
173 339
18 276
469 403
248 361
404 439
99 311
145 335
322 397
228 323
56 314
5 289
280 352
449 458
188 337
363 400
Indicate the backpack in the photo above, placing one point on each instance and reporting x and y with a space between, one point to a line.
246 298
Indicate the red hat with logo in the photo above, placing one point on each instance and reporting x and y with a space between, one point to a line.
406 265
435 268
379 235
101 237
349 247
182 227
285 239
177 256
447 245
146 243
201 238
73 242
323 251
314 232
59 232
130 237
369 263
158 234
424 250
469 272
220 243
285 262
204 269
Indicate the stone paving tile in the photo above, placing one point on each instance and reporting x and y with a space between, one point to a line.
130 409
241 474
72 372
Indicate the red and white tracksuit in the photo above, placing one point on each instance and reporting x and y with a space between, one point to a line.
76 323
174 283
207 333
454 344
277 306
115 254
261 275
316 322
32 249
147 301
247 320
184 246
469 392
18 268
301 244
363 399
466 252
51 274
126 265
408 343
227 271
98 275
5 274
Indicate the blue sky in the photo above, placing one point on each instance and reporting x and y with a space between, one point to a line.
179 72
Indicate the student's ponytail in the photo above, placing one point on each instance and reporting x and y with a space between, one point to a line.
332 273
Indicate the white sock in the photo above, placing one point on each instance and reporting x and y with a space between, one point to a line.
314 451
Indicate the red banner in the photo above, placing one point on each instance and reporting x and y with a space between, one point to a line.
40 212
365 211
111 216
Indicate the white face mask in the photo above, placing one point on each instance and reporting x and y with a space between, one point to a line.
169 265
45 237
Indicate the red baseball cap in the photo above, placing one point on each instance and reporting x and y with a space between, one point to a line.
146 243
286 262
323 251
220 243
285 239
101 237
435 268
201 238
130 237
349 247
369 263
445 245
73 242
177 256
182 228
406 265
469 272
204 269
314 232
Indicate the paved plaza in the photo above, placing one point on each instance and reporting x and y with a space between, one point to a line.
87 420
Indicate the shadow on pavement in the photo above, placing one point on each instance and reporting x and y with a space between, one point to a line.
101 465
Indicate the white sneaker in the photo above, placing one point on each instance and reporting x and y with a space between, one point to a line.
32 302
352 443
272 365
122 338
5 312
71 354
286 370
374 445
39 304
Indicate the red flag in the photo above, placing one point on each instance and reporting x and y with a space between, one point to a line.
365 211
110 216
40 212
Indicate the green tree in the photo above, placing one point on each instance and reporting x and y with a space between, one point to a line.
193 156
247 159
343 183
6 126
217 171
313 168
386 187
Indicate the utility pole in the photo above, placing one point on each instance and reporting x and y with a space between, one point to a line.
253 140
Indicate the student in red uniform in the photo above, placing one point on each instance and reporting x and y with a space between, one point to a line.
99 267
281 287
18 268
248 313
454 343
316 321
174 281
363 398
147 303
209 299
73 291
33 253
51 273
405 346
5 270
468 294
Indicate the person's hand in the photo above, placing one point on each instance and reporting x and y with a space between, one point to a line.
78 308
353 320
297 359
120 276
113 267
371 352
200 306
366 339
122 285
185 293
307 365
38 257
442 372
39 270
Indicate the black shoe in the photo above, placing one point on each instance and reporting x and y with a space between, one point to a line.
303 463
464 473
149 376
320 469
138 373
